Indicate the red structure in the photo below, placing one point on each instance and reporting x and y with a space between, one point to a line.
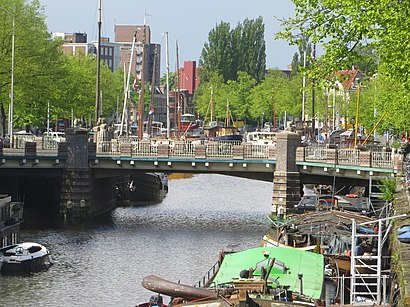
188 77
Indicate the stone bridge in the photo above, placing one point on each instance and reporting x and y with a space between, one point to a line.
85 167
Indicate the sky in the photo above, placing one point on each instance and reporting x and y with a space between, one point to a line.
187 22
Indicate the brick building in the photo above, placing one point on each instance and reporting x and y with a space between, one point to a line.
76 44
124 35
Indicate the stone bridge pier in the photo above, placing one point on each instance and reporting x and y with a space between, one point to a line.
82 195
286 181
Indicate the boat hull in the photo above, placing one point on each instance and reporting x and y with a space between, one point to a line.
151 188
234 137
144 188
30 265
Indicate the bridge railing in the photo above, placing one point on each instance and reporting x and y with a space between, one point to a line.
383 159
185 149
348 156
379 158
376 157
315 153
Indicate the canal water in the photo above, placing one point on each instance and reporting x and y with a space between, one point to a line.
102 262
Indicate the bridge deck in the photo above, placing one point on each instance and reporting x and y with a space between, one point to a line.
188 156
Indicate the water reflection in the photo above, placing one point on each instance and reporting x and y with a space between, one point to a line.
102 262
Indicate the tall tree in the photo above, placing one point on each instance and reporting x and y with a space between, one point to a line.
241 49
37 60
343 27
347 28
252 50
217 53
276 94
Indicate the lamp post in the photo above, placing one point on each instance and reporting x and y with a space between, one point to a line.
10 120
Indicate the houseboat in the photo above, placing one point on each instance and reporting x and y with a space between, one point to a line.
261 276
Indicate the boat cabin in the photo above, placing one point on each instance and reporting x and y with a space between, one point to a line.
262 137
188 122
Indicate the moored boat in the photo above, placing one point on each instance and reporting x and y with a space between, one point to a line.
25 257
228 134
150 187
261 137
403 234
259 276
142 188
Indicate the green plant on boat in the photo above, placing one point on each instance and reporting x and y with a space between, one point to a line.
388 188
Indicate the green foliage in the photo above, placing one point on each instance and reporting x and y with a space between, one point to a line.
366 60
369 34
381 95
233 93
77 89
248 99
228 52
42 73
302 58
37 60
171 80
388 189
276 94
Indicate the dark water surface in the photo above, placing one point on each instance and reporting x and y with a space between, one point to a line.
102 263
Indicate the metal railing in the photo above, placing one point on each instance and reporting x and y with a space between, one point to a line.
204 282
315 153
348 156
183 149
382 159
176 149
379 158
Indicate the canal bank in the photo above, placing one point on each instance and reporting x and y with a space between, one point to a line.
400 252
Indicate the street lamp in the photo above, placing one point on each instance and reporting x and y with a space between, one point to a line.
10 120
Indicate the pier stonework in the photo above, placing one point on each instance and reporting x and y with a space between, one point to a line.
83 195
286 181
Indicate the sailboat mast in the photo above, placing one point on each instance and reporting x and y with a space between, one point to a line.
97 90
150 117
212 105
141 100
178 92
167 67
227 118
127 87
274 111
